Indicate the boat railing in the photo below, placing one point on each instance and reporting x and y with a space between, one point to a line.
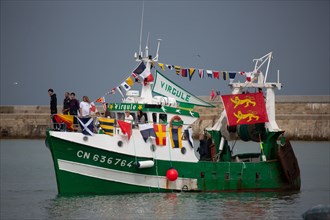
96 127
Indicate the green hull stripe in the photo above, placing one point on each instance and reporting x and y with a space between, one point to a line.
152 181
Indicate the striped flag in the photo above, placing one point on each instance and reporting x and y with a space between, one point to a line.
107 125
225 75
175 137
177 70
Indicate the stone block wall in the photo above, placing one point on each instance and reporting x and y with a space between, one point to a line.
302 118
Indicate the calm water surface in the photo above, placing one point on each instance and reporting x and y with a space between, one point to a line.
28 191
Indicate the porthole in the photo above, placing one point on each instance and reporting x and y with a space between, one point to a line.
183 150
120 143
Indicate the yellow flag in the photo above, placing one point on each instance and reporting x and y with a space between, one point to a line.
161 65
129 81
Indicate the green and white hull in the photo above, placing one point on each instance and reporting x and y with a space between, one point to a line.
97 165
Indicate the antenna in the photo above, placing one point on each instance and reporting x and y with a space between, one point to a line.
147 54
141 28
156 57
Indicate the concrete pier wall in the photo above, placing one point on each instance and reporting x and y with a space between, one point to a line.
302 118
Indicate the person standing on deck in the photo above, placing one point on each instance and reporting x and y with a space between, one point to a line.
128 117
66 103
53 107
74 107
84 107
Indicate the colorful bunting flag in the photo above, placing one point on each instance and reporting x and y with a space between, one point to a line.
126 128
177 70
170 67
209 73
175 137
113 91
107 125
125 86
245 108
225 75
216 74
140 68
121 92
184 72
100 100
191 72
93 108
129 81
161 65
232 76
201 73
136 77
160 130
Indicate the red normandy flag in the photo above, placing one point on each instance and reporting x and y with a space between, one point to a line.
245 108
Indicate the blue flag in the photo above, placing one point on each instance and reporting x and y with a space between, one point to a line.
147 130
86 125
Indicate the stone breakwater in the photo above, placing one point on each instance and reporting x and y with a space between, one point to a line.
302 118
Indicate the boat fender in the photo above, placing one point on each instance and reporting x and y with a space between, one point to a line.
172 174
145 164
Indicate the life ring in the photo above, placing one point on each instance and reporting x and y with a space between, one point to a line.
176 118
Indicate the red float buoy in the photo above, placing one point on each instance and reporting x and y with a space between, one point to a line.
172 174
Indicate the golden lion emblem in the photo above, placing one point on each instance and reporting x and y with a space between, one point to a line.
247 101
251 115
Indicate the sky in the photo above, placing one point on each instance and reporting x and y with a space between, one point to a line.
87 47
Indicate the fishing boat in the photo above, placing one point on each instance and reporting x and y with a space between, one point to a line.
159 154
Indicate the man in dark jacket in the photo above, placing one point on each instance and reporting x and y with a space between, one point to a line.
66 103
74 107
53 107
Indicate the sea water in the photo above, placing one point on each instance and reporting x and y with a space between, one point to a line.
28 191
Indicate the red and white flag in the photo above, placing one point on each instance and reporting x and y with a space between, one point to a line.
126 128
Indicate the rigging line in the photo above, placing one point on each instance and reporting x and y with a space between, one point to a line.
141 27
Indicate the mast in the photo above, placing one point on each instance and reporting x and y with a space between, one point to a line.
257 75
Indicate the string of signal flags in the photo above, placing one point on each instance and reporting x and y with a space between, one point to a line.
216 74
141 75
